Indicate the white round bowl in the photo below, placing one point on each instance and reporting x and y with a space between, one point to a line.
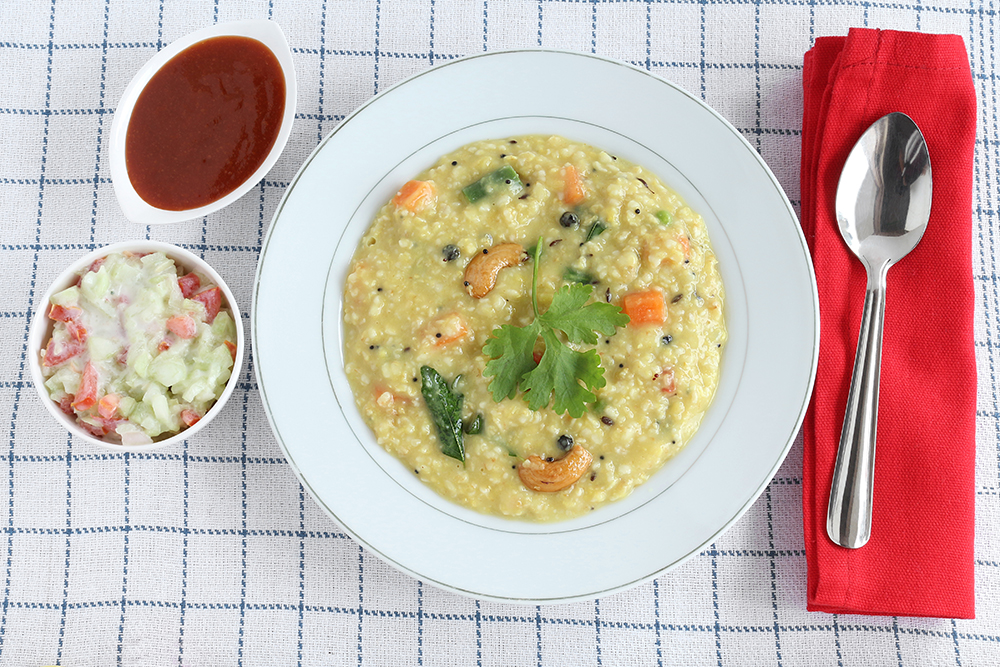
41 331
135 207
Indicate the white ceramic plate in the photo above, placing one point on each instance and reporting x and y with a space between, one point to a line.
771 312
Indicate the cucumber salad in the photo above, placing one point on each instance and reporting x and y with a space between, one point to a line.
138 352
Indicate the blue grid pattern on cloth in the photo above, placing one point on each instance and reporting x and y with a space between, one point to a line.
211 552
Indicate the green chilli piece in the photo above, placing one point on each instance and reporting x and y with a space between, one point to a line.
664 217
595 230
573 275
445 405
475 426
504 178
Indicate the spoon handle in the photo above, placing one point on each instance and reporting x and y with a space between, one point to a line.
849 517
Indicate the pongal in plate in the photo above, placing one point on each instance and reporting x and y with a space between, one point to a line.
534 326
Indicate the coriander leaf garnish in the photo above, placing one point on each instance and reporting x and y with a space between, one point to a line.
578 321
558 375
512 351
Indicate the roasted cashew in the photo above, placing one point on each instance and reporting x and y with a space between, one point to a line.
481 271
539 474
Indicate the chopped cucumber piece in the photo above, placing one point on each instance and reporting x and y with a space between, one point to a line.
168 368
68 297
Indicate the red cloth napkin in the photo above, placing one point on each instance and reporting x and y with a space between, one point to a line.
919 560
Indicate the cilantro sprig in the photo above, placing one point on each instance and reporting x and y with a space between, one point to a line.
563 376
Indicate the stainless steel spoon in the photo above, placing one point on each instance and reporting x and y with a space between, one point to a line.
883 204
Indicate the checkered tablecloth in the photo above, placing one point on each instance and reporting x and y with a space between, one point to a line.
210 552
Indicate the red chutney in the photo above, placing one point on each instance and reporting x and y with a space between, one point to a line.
205 122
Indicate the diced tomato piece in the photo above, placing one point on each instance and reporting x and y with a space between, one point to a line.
573 190
645 307
415 195
164 345
55 356
231 347
86 397
71 316
109 425
66 405
107 406
212 300
190 417
189 284
96 265
667 382
182 325
97 432
76 331
64 313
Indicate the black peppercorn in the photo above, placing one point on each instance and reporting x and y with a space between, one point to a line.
450 252
569 219
565 442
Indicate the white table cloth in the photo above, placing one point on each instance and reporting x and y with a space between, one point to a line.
210 552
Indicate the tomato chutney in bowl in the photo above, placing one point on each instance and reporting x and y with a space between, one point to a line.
203 122
534 326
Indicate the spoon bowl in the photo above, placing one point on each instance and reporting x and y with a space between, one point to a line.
883 204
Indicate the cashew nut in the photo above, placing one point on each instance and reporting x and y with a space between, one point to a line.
481 272
539 474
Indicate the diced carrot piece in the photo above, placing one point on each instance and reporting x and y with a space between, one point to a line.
108 404
645 307
231 347
189 284
87 395
447 328
182 325
414 196
573 190
190 417
387 399
212 300
685 245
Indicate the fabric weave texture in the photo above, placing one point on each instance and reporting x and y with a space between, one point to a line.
211 553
